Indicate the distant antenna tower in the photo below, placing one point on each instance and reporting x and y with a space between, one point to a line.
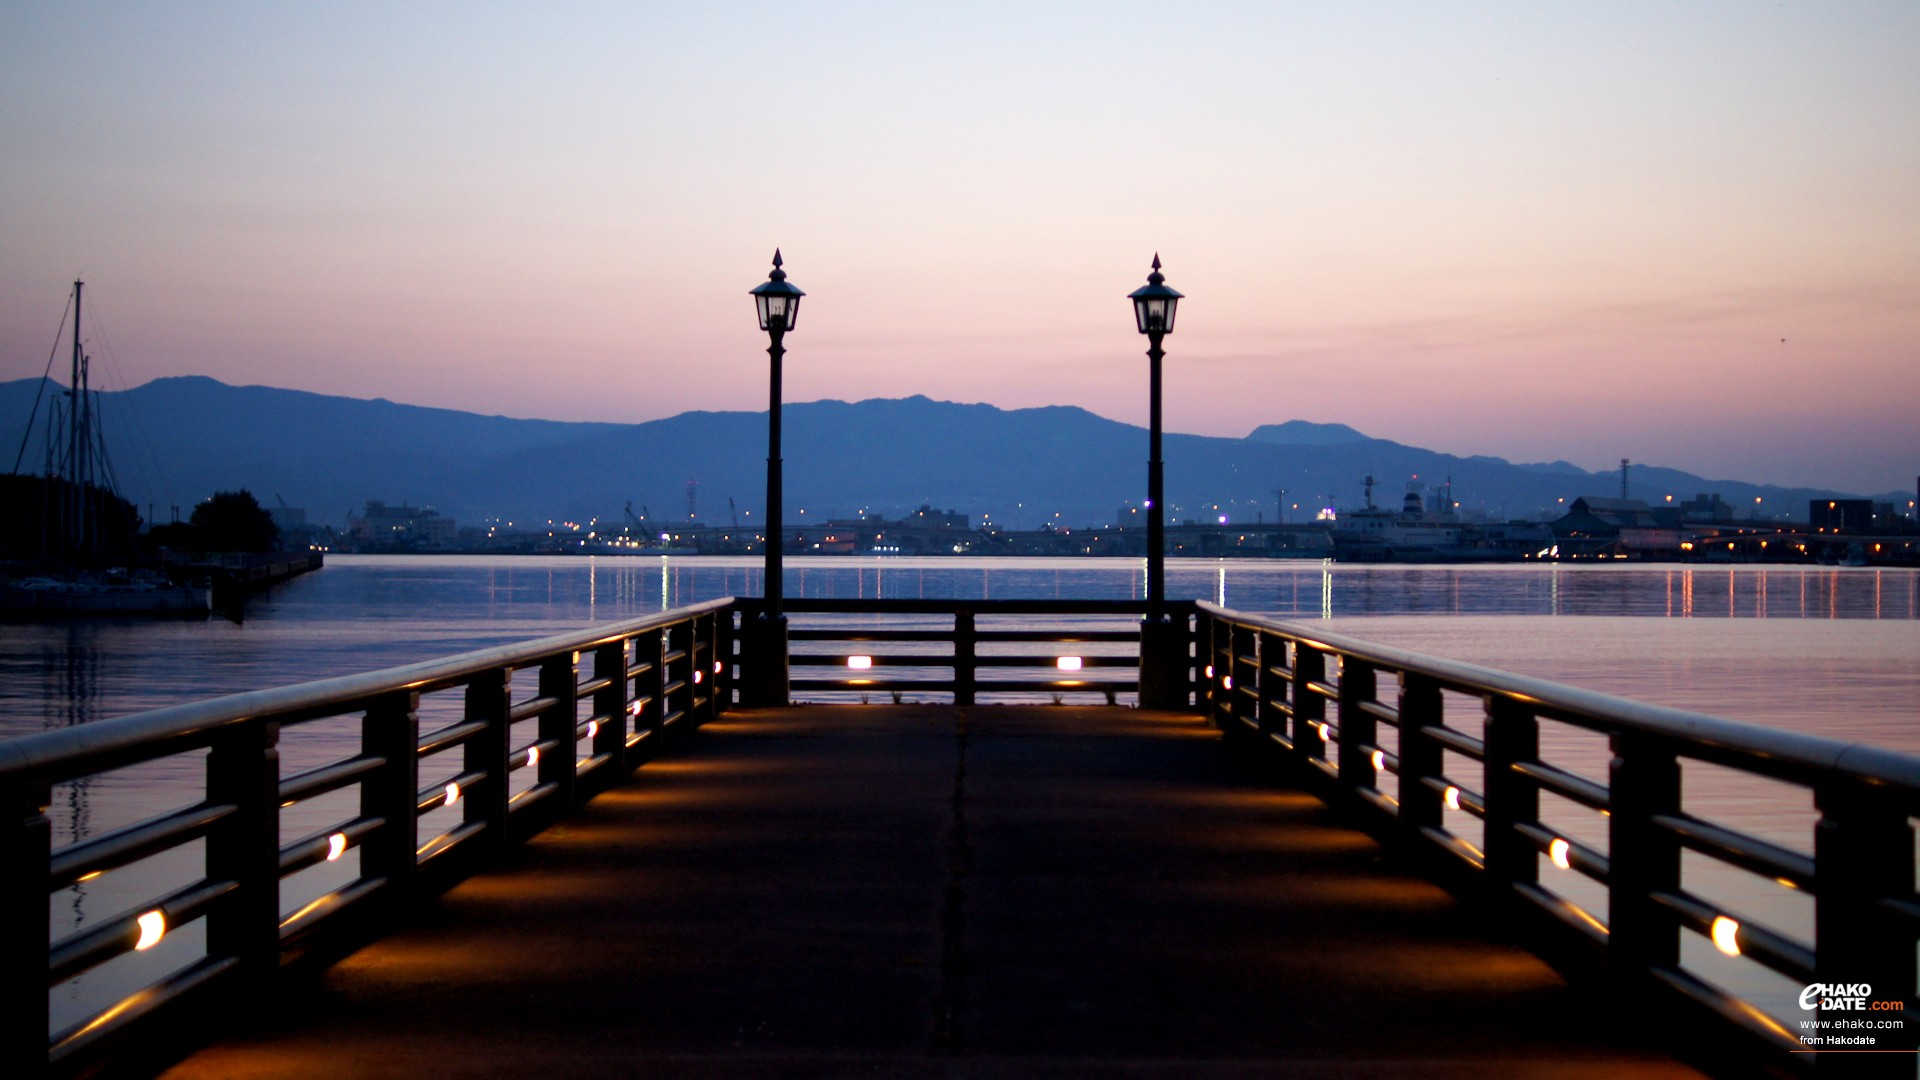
693 499
1280 494
1623 477
1369 482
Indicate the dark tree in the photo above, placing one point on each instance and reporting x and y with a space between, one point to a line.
234 521
34 517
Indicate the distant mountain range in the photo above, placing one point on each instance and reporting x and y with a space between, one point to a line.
176 441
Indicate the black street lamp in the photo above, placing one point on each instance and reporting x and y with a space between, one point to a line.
764 681
1163 682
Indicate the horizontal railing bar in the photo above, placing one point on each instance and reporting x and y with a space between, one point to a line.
308 918
946 662
313 849
1760 943
594 685
434 796
1573 915
851 635
138 1005
1470 801
1587 860
983 608
448 737
1455 845
53 756
995 686
116 936
1729 1008
1746 852
110 851
530 708
449 840
327 778
1458 741
1566 784
1381 711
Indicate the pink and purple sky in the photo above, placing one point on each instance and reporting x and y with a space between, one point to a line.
1684 233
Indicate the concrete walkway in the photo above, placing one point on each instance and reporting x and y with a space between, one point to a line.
939 892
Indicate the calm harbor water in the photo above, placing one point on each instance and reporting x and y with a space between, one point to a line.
1830 650
1833 651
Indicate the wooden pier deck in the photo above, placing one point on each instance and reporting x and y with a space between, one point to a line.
931 891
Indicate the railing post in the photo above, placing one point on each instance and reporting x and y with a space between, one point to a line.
1218 637
243 770
701 654
723 654
1513 737
1164 662
1309 708
489 698
649 683
1643 782
1863 854
765 661
1243 659
610 701
26 848
1358 727
966 645
391 732
675 676
560 722
1265 712
1421 755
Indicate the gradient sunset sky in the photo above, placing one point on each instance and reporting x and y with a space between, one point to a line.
1684 233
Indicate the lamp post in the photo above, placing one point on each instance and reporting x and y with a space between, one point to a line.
764 682
1163 663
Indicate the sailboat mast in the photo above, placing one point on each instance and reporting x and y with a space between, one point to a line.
76 440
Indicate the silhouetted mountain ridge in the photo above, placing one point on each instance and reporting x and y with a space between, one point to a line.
174 441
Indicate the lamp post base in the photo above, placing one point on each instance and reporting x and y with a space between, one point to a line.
763 663
1165 666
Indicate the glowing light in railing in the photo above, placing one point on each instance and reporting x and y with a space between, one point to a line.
1226 682
453 792
634 708
859 663
1068 663
1326 733
533 756
1209 671
1451 798
1559 851
593 728
336 846
698 675
717 667
1379 760
153 927
1726 935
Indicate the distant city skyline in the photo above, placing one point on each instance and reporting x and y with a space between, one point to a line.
1681 234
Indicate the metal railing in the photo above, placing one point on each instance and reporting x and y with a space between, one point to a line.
966 651
1381 732
431 741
